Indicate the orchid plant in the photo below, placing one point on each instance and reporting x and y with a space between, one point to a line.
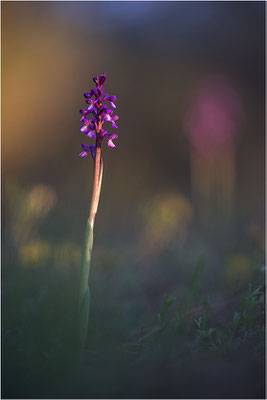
93 128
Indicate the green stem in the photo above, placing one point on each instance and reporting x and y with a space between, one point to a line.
84 293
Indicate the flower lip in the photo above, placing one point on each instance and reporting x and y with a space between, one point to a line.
114 125
91 108
83 154
84 128
110 138
91 134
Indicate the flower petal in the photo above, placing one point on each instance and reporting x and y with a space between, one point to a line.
84 128
91 134
110 143
83 154
102 78
103 133
84 112
107 117
91 108
110 138
114 125
94 92
93 150
85 121
85 147
96 80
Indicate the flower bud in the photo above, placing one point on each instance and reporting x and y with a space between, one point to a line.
102 79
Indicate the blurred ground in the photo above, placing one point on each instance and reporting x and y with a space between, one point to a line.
184 186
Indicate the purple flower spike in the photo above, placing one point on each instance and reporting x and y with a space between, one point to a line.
93 128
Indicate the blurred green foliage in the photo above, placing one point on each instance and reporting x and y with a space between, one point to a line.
139 343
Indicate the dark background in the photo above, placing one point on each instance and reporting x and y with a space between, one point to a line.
156 217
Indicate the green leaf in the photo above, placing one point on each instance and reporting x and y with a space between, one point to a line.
167 301
83 317
84 293
86 261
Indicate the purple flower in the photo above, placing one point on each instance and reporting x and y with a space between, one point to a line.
84 129
111 99
91 134
93 127
84 112
87 149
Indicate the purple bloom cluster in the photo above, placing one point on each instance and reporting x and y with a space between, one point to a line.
100 113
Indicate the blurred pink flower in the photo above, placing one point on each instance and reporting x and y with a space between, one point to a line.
212 119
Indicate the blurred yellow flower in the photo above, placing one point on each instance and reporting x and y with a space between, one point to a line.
41 199
239 268
34 253
166 219
38 252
